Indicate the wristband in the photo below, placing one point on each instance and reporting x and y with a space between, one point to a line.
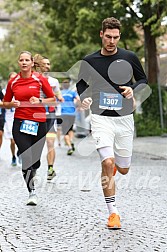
40 100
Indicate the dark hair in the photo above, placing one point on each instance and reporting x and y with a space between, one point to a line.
44 57
111 23
65 84
66 81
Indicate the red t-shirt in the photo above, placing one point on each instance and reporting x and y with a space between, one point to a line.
22 89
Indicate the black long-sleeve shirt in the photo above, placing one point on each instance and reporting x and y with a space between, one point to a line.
98 77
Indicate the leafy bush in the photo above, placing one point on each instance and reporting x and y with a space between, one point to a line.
147 126
148 123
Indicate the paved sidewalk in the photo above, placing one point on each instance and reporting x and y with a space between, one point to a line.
155 147
71 215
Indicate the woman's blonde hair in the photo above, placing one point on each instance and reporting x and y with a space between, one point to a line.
12 74
27 53
38 62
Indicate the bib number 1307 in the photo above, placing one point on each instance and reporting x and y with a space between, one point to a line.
110 101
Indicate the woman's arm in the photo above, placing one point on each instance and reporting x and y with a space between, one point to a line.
12 104
45 101
1 104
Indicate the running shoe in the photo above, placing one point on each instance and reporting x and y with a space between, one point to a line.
32 200
69 152
73 147
115 170
114 221
19 160
14 163
51 174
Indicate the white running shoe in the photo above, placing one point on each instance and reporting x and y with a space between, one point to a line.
32 200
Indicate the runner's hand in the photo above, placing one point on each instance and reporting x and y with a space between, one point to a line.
34 100
128 92
16 103
86 103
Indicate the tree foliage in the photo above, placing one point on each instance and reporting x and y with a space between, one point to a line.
149 15
66 30
77 22
28 31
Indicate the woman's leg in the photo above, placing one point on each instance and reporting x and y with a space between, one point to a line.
30 148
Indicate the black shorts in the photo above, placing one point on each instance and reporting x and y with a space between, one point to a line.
50 119
67 122
2 121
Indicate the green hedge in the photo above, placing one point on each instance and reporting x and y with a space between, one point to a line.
148 123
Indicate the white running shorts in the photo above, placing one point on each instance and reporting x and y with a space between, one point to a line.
114 132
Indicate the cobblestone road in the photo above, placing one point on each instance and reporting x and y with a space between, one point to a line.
72 215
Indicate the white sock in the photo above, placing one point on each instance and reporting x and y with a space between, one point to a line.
110 201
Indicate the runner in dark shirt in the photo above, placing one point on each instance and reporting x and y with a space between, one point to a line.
106 84
95 76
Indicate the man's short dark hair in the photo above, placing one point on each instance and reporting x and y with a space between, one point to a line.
111 23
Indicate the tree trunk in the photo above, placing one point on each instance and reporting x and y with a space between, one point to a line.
151 56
